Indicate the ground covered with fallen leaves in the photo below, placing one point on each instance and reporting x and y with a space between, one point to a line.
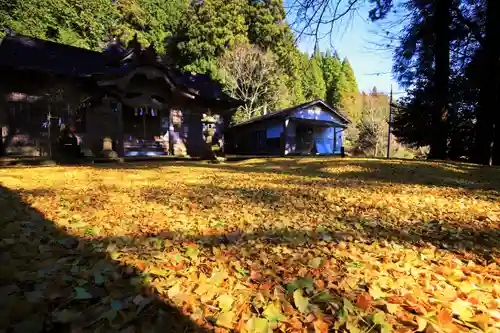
281 245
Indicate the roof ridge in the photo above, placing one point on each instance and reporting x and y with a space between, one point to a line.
46 41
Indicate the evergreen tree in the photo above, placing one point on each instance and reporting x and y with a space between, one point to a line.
348 92
487 150
332 72
441 23
268 29
151 20
68 22
210 27
350 79
313 83
266 25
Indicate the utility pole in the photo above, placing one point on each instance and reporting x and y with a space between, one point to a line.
389 125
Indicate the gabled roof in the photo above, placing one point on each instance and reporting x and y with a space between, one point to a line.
26 53
285 112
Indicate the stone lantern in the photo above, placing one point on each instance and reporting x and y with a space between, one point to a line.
208 122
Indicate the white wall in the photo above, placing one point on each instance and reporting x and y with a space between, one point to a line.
317 113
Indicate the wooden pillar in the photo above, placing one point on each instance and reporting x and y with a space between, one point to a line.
120 135
284 137
171 132
334 139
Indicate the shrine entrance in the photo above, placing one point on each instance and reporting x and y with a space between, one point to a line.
145 131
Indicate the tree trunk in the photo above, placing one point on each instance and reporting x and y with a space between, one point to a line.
442 23
488 118
493 29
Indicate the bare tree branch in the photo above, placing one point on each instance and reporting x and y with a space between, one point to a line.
309 16
251 75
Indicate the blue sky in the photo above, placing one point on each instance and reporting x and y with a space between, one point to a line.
355 38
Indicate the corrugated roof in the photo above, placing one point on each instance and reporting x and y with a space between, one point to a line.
286 111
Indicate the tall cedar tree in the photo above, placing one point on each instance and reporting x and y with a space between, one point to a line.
332 74
268 29
442 27
313 83
350 99
352 84
210 28
488 117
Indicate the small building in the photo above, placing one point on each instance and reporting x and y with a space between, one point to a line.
126 100
313 128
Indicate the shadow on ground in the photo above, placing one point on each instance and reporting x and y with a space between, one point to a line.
51 281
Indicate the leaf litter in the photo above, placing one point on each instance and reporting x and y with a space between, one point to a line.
256 246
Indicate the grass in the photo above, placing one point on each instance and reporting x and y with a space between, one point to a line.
288 245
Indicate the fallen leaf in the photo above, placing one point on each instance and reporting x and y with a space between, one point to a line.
322 297
378 318
225 319
81 293
353 326
273 313
421 323
315 262
376 292
300 284
462 309
347 305
256 276
386 328
482 321
207 262
320 326
494 314
217 278
258 325
296 324
192 252
392 308
225 302
301 302
98 278
364 301
444 316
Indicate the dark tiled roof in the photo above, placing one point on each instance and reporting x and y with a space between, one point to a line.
22 52
286 111
199 84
